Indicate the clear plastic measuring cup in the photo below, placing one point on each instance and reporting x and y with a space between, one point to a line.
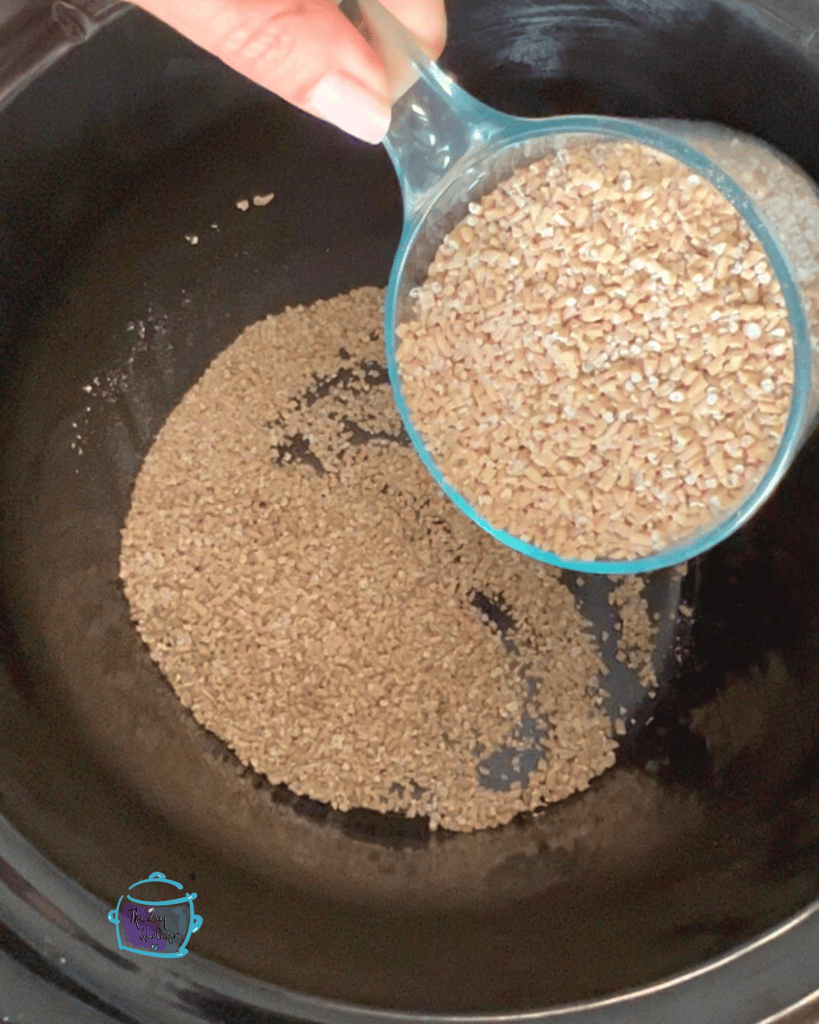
448 150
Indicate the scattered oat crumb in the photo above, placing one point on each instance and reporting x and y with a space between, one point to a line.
263 200
686 610
193 239
635 646
243 204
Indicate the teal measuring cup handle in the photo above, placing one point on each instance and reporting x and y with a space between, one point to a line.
436 126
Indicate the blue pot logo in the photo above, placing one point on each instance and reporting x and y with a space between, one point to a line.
156 927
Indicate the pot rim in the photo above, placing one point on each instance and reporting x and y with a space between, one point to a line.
62 922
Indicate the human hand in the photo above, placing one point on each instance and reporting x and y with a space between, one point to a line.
305 51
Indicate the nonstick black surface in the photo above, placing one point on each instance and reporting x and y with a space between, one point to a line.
704 835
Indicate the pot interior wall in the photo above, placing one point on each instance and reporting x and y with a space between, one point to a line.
699 839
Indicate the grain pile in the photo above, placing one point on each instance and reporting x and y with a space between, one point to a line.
317 602
600 360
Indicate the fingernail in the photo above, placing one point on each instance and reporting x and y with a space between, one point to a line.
350 107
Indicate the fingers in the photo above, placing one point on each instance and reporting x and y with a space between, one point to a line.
305 51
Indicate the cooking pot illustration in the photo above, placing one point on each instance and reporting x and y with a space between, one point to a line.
155 927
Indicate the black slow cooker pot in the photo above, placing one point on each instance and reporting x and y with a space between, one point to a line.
682 887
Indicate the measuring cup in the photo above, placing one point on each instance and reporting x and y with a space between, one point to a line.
449 149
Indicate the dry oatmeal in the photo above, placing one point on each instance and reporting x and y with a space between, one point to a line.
601 360
317 602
